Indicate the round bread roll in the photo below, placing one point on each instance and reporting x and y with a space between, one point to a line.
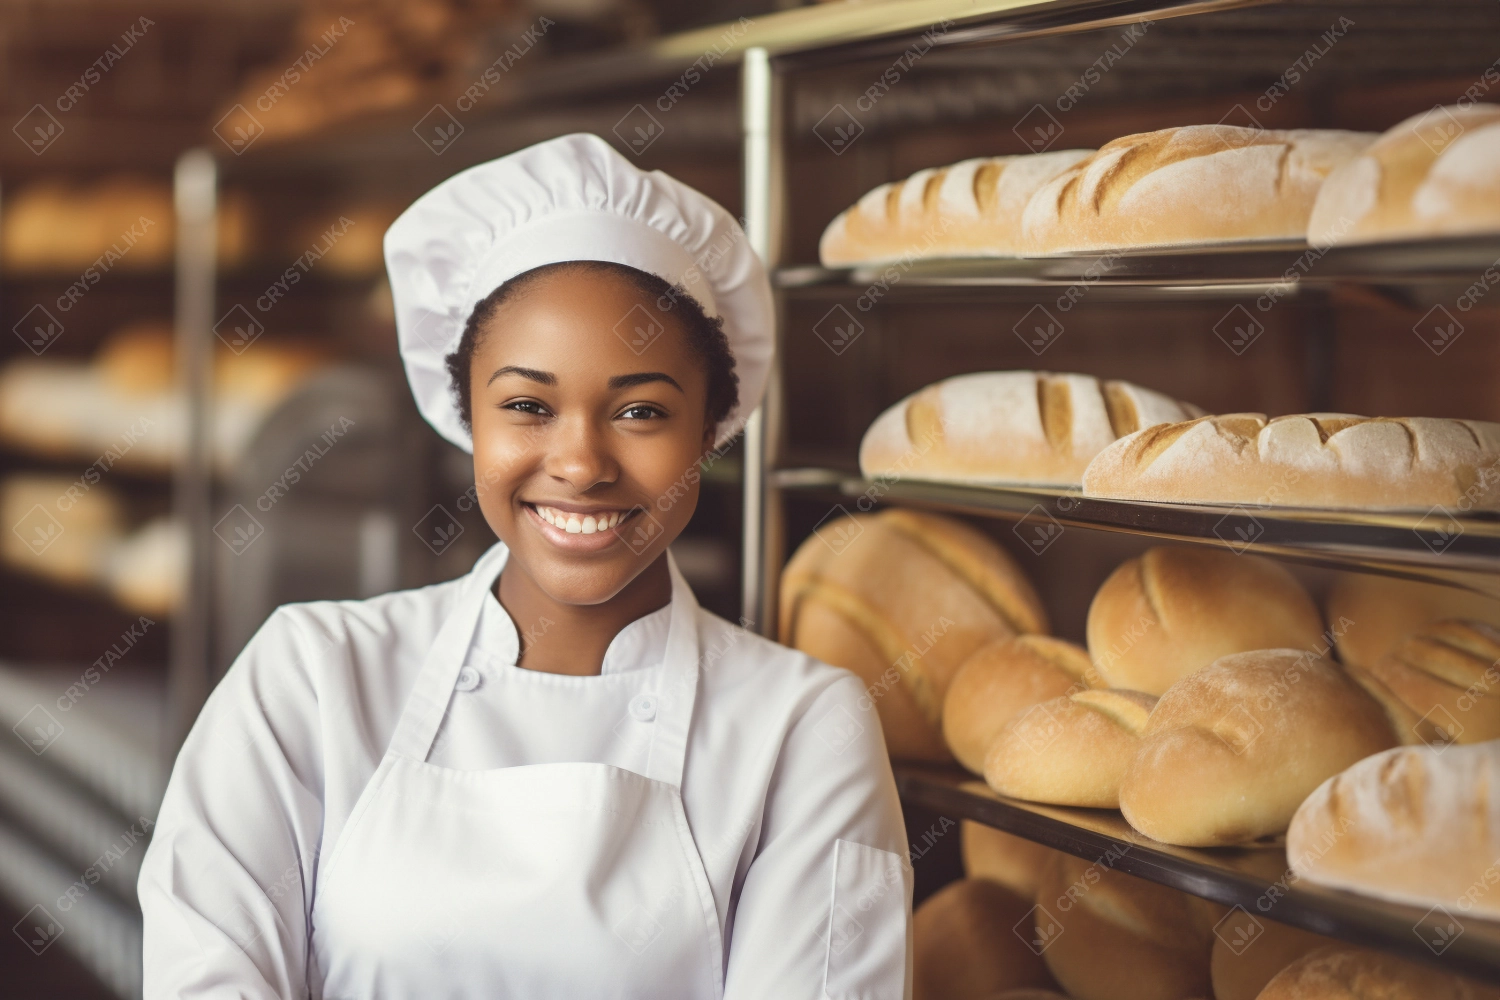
65 536
902 599
1343 972
1014 862
139 359
1071 751
1369 613
1232 750
1414 825
1410 728
965 943
1435 174
1111 936
1190 184
1000 681
1175 610
1248 952
1449 674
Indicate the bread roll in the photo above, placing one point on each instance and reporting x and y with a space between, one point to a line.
1118 937
993 428
1368 613
1435 174
1249 951
965 943
1071 751
1175 610
904 600
1343 972
1232 750
970 209
1305 460
1449 674
1000 681
1414 825
1410 728
1191 184
1014 862
58 529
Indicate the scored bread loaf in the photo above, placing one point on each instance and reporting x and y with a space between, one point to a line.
1343 972
1000 681
1174 610
1019 427
1436 173
902 599
1369 613
1071 751
969 209
1190 184
1232 750
965 944
1448 673
1305 460
1415 825
1410 727
1248 953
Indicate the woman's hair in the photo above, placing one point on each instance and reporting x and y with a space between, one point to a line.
705 334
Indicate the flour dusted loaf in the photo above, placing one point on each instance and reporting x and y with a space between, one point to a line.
1174 610
1448 674
1435 174
1369 613
1249 951
1020 427
1002 680
1190 184
1306 460
969 209
1071 751
902 599
1343 972
965 944
1231 751
1413 825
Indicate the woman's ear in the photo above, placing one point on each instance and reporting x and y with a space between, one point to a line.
708 439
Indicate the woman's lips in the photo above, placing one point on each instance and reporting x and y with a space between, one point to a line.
576 531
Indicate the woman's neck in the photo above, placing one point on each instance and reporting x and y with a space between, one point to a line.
559 638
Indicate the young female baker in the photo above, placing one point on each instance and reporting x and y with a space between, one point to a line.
556 776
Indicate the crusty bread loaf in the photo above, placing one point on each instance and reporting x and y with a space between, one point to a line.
1021 427
1175 610
1411 728
1369 613
1343 972
1014 862
64 536
1232 750
1000 681
1191 184
1111 936
1249 951
1305 460
1414 825
965 944
1449 674
1436 173
969 209
1071 751
902 599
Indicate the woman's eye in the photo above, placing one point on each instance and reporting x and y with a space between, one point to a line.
640 412
528 406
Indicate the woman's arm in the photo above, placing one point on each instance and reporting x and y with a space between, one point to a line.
227 881
825 909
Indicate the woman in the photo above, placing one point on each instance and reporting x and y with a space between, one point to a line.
556 776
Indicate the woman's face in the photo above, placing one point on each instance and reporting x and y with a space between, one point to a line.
586 449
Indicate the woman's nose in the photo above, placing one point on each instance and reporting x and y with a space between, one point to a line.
578 454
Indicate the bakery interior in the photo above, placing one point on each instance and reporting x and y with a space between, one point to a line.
1231 731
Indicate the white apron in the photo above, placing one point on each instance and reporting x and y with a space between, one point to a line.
550 880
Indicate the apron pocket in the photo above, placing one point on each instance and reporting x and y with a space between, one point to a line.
867 933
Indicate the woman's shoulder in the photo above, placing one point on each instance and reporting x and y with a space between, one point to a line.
733 655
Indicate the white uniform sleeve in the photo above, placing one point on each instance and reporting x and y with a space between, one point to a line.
227 881
825 908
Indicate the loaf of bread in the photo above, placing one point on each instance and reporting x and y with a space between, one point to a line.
903 599
1343 972
1305 460
1014 862
1414 825
1111 936
1231 751
1002 680
1369 613
1071 751
58 530
1018 428
970 209
1449 674
1175 610
1411 728
1435 174
1191 184
965 944
1249 951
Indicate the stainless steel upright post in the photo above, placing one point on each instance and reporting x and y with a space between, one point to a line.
196 196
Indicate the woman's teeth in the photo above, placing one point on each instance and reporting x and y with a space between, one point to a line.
588 524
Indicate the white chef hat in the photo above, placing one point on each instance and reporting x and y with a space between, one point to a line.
570 198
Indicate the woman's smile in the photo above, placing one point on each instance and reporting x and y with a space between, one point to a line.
578 528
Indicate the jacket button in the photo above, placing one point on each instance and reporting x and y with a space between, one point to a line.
468 679
643 707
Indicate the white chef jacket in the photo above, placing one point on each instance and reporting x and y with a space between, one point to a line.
785 759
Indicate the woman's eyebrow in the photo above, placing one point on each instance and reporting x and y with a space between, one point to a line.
545 378
641 378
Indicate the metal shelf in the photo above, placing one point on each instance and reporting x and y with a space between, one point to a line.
1402 543
1255 878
